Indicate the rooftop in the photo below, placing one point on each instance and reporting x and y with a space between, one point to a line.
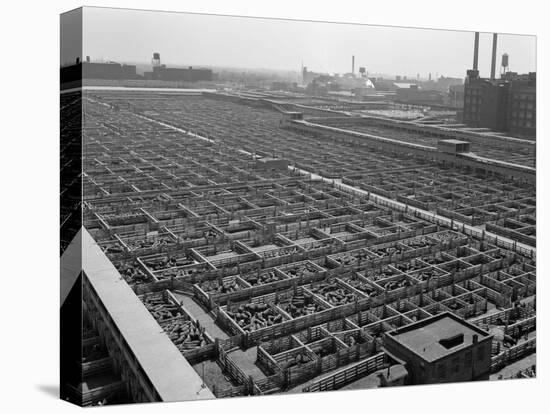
168 371
404 85
423 337
452 141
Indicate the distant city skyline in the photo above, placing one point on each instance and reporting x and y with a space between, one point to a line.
284 45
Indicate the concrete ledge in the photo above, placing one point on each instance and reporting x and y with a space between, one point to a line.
171 375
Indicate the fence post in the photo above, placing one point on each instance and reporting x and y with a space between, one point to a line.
250 385
216 347
286 379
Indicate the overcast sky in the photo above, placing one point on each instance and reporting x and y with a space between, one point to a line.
70 36
192 39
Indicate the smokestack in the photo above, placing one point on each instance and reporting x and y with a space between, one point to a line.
476 50
352 64
494 57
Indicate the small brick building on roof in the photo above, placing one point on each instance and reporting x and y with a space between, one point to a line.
442 348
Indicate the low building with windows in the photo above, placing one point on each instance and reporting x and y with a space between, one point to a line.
442 348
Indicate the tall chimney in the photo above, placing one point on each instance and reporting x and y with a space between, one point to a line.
494 57
476 50
352 64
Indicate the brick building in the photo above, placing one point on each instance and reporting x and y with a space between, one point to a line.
507 104
97 70
442 348
189 74
522 108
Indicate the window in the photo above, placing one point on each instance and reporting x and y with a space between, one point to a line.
468 355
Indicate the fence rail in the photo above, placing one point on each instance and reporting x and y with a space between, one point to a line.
348 375
513 353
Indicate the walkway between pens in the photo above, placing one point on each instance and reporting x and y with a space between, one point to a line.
246 360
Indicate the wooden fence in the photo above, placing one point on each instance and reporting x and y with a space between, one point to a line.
513 353
350 374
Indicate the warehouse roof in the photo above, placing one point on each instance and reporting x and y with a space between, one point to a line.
404 85
428 337
452 141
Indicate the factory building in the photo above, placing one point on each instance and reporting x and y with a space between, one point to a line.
411 93
522 107
442 348
456 96
97 70
323 84
486 102
506 104
114 70
189 74
442 84
110 70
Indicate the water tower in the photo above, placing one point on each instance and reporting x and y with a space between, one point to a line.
156 59
504 64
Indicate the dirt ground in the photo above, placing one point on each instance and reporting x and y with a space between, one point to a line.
213 375
247 361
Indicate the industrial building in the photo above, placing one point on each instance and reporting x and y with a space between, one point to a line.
260 242
323 84
522 106
456 96
189 74
97 70
116 71
442 348
505 104
413 94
